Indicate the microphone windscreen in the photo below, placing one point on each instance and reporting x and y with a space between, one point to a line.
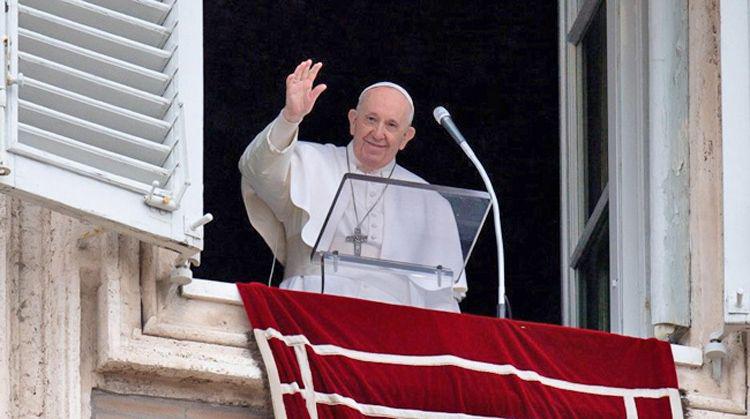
439 113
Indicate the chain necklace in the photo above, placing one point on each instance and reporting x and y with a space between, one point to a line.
358 238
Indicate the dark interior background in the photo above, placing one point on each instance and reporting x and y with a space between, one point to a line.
492 64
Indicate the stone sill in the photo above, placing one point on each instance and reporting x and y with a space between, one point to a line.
223 292
123 349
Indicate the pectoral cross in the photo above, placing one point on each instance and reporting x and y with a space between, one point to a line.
357 238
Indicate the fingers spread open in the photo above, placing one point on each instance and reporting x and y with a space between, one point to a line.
306 70
315 93
290 79
298 72
314 70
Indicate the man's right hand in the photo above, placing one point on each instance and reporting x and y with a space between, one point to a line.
300 94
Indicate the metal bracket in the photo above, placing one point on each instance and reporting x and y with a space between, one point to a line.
716 350
164 201
736 303
10 79
192 229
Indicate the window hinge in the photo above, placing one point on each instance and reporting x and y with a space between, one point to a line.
165 201
4 170
10 79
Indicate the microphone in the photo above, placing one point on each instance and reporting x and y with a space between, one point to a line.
444 118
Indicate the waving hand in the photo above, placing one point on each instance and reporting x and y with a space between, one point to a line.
300 94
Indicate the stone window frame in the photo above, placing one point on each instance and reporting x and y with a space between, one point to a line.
146 326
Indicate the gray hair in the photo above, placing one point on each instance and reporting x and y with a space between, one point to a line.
395 86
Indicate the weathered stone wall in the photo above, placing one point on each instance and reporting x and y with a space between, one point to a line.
42 312
111 405
71 310
706 397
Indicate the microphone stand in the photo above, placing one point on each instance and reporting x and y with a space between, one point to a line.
443 118
498 232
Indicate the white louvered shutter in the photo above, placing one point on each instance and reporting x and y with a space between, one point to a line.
104 113
735 145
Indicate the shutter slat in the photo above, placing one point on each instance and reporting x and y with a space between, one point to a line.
93 39
104 19
93 62
94 110
91 156
111 102
92 86
92 134
149 10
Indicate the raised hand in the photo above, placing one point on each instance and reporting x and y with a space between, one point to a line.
300 94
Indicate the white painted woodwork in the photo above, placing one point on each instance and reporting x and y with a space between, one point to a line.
669 163
85 131
631 181
627 80
116 23
92 86
735 107
57 145
94 63
95 110
153 11
110 102
92 38
571 159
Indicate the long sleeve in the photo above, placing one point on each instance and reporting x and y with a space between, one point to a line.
265 165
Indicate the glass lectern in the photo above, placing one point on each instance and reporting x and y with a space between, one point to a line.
396 236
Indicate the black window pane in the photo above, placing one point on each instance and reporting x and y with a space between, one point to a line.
595 107
593 286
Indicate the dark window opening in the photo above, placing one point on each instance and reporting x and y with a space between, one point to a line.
593 292
492 64
593 284
595 81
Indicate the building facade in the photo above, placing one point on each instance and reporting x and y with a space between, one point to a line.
95 320
652 110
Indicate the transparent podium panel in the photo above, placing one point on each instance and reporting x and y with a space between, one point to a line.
388 282
398 231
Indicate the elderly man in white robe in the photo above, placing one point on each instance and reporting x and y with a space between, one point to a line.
288 187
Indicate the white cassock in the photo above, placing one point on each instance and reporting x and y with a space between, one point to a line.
288 187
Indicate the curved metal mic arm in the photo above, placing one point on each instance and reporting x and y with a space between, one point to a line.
443 118
498 231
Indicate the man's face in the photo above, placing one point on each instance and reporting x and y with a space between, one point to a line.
380 127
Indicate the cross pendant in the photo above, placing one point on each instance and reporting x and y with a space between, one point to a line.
357 239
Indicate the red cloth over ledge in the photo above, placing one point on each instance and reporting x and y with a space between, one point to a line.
329 356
